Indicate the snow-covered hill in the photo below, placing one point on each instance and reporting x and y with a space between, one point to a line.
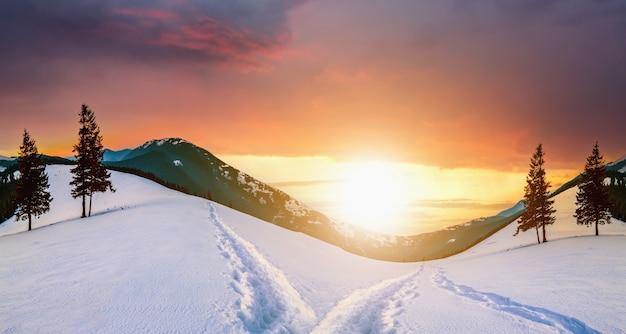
152 259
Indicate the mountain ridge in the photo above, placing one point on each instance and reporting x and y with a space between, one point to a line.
177 161
181 165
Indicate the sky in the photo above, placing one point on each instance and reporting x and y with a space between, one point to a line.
445 85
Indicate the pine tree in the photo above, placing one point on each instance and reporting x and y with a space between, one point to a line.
90 176
592 198
32 196
538 205
99 178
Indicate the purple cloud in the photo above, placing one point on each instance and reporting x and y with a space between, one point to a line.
38 35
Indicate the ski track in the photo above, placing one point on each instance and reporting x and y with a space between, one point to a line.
560 322
372 309
268 302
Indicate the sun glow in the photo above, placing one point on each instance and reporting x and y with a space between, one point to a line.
372 195
389 197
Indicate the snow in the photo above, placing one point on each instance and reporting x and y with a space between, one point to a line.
178 163
564 227
268 300
254 187
2 169
161 142
154 260
296 208
148 143
177 141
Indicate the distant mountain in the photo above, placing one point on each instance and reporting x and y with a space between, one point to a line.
113 156
7 163
613 169
182 165
618 165
518 208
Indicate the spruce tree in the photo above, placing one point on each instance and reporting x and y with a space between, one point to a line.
32 196
538 205
99 178
90 176
592 198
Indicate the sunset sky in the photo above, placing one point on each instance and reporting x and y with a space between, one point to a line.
447 86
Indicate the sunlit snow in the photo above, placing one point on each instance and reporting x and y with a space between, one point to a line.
151 259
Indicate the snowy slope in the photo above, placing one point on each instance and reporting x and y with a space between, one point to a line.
154 260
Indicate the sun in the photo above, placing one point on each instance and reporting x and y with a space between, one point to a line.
373 195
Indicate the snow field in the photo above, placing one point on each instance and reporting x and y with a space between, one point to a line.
153 260
558 322
146 267
575 273
371 309
268 301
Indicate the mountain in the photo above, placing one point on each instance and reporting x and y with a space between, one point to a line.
184 166
9 166
516 209
200 173
615 169
151 259
618 165
5 163
112 156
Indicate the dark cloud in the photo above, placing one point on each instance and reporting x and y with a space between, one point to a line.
451 83
38 37
553 70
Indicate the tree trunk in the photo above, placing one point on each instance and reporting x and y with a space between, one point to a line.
90 196
596 226
28 207
543 228
537 230
83 215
